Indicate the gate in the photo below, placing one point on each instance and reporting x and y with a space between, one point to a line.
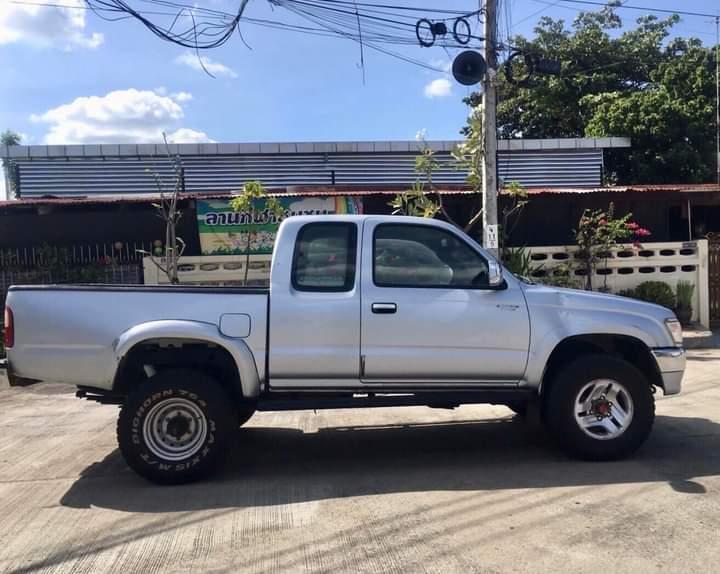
714 276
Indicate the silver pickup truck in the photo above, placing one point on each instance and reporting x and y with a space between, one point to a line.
362 311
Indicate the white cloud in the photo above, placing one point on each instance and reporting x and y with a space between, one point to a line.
438 88
186 135
215 68
46 26
122 116
181 97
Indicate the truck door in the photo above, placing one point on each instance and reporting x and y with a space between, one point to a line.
315 307
428 313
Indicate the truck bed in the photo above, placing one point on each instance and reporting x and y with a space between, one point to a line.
68 333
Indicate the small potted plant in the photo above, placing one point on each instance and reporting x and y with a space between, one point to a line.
683 310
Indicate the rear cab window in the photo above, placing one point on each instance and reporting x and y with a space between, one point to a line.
324 258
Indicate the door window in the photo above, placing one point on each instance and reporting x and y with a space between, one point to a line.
324 258
406 255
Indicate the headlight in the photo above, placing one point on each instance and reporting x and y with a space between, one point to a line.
675 329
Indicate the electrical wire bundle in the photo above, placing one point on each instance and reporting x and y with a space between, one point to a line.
373 26
192 26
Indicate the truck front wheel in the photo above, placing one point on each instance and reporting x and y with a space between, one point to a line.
174 428
599 408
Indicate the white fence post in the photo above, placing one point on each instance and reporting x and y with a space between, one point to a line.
703 286
668 262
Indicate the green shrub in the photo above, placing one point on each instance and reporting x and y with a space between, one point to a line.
653 292
560 276
518 260
684 292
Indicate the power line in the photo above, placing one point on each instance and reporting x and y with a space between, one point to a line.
380 33
422 10
537 13
644 8
199 28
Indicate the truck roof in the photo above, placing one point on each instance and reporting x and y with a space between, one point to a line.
295 221
363 217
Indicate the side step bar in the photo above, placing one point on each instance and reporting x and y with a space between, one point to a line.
294 401
99 396
434 399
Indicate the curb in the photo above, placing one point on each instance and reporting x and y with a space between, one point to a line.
705 340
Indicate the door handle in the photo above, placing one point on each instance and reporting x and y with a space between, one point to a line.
384 308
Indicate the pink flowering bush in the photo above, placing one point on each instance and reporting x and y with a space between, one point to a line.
598 232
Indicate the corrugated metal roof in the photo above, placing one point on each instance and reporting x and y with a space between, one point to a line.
126 175
161 150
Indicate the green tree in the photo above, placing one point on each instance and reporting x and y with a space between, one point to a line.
423 198
260 207
9 137
671 121
618 82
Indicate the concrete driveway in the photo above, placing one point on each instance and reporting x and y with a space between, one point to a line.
384 490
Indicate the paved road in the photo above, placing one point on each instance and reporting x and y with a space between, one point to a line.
386 490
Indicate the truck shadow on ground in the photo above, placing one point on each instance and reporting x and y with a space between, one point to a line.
271 466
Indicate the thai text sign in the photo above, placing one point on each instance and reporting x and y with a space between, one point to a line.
225 232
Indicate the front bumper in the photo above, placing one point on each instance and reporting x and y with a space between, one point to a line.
671 364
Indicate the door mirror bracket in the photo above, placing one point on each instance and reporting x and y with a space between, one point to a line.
495 274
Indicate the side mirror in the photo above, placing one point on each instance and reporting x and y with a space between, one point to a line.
495 275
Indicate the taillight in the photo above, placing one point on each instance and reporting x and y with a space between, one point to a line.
9 334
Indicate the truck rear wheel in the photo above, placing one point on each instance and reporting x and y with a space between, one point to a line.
599 408
174 428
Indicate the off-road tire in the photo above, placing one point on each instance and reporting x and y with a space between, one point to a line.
197 393
559 407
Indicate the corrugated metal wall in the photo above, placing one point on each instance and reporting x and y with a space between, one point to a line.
566 168
127 175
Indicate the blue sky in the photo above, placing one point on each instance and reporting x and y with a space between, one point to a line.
70 77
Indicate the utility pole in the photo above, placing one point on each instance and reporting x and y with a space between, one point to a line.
489 169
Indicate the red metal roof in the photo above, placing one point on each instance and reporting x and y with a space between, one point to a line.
314 191
657 188
310 191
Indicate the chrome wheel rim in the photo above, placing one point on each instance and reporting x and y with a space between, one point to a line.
603 409
175 429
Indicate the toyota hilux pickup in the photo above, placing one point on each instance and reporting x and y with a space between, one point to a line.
362 311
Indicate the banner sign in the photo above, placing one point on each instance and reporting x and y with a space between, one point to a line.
225 232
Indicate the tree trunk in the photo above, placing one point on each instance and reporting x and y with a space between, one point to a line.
170 262
247 258
588 273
